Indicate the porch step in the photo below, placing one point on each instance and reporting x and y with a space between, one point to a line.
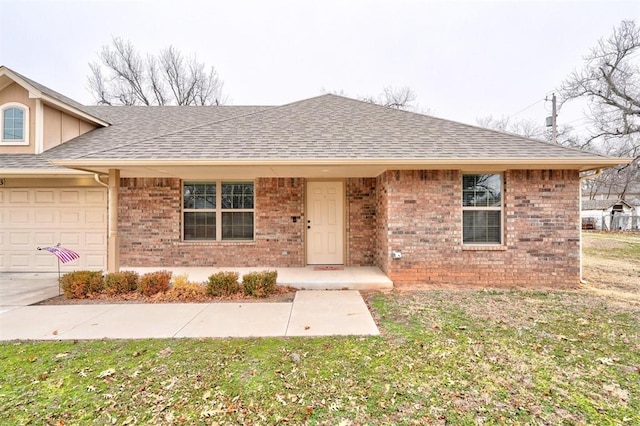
306 278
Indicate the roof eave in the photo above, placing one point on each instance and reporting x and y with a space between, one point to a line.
579 163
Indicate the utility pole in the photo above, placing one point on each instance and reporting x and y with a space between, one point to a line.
553 120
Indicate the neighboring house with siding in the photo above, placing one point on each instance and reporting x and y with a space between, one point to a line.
327 180
609 215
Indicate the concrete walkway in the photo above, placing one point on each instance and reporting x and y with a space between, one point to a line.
312 313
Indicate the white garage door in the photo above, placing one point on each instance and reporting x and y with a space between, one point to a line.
40 217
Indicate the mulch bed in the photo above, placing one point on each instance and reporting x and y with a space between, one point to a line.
283 294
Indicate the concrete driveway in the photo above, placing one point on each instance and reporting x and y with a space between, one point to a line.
24 288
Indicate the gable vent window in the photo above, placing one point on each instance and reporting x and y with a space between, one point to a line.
14 124
482 209
218 211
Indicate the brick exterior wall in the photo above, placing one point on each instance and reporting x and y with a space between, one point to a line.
361 221
416 212
150 227
425 218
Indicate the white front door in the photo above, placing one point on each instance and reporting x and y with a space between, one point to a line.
325 223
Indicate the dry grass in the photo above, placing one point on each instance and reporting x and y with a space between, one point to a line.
611 264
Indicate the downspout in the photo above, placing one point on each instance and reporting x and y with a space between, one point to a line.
591 176
96 177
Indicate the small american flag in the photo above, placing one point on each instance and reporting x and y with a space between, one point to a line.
64 254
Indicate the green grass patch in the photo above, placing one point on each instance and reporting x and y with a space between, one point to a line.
458 357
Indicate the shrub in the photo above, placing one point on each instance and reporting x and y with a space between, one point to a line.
183 292
154 282
223 284
179 280
78 284
259 284
121 282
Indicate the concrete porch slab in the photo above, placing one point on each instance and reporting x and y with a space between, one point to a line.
330 313
306 278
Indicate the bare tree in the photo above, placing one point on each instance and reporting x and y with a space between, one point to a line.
529 129
124 77
395 97
525 128
610 81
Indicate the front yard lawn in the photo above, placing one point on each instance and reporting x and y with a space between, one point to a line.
445 357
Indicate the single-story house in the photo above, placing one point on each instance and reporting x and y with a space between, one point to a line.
322 181
609 215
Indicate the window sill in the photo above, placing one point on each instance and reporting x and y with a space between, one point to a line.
484 248
217 243
13 143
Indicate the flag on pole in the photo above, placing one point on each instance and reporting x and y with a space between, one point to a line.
63 254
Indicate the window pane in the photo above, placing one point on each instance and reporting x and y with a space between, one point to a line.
237 226
237 195
199 226
13 124
199 196
481 226
482 190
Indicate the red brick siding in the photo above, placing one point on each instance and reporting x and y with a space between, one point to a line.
150 227
416 212
361 221
425 215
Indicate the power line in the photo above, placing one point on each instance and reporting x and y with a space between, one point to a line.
526 108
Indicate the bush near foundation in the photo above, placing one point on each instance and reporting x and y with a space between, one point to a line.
154 282
183 290
120 282
223 284
79 284
259 284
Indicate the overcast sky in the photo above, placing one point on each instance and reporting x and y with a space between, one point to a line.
463 59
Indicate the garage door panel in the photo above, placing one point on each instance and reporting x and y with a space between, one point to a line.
45 260
96 197
45 196
70 196
20 239
20 216
69 217
20 260
45 217
95 240
45 239
70 239
19 196
95 261
93 217
40 217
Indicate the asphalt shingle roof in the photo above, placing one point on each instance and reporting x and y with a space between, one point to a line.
600 204
325 127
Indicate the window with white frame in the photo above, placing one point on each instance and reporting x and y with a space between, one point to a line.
14 124
218 211
482 208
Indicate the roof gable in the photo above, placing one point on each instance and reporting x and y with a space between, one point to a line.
602 204
39 91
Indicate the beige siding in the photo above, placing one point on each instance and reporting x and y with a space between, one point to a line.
60 127
15 93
